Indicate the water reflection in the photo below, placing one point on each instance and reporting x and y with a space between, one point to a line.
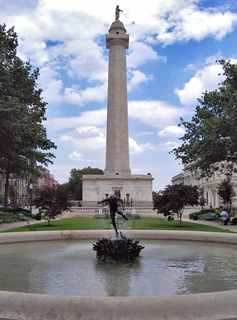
213 269
116 278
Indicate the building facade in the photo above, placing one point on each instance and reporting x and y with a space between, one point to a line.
21 188
207 186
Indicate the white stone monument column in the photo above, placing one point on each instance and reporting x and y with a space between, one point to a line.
136 189
117 148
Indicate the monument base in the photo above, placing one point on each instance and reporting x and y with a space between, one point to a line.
133 189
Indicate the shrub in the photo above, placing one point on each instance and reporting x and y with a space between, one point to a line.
207 210
193 213
136 216
8 217
102 216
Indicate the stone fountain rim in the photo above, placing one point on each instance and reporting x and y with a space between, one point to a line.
216 305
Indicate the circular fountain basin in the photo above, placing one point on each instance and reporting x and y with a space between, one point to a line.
64 280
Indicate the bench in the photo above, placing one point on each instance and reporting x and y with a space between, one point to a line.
1 221
22 217
212 217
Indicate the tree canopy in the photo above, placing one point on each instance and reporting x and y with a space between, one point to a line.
174 198
210 140
51 201
23 138
226 191
74 185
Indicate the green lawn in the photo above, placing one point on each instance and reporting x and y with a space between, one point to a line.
87 223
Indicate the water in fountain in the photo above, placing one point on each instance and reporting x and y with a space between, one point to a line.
71 268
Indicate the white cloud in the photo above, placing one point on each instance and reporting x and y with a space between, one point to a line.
75 156
168 146
134 148
192 23
155 113
140 53
52 93
89 63
85 138
171 131
204 79
137 77
145 133
75 96
52 90
87 118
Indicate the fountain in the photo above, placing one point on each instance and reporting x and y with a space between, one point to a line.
216 305
116 250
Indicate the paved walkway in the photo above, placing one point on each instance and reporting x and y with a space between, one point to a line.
213 224
8 226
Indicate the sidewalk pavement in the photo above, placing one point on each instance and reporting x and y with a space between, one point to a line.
8 226
213 224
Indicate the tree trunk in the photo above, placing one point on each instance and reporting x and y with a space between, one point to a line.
6 189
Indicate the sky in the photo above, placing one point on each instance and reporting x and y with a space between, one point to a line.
171 61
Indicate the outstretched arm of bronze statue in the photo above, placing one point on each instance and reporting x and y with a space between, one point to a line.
104 200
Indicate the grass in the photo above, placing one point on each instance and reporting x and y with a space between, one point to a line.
88 223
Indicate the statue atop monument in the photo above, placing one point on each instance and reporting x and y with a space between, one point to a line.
117 11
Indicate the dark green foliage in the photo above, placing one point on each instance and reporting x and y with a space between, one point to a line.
211 136
128 215
74 185
23 138
8 217
136 216
203 211
174 198
226 191
101 216
52 201
121 250
154 194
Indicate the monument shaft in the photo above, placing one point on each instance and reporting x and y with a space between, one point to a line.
135 190
117 147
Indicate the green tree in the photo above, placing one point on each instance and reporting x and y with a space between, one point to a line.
210 140
74 185
174 198
154 194
226 191
51 201
23 138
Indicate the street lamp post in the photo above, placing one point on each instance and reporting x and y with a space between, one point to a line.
202 200
228 178
31 189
